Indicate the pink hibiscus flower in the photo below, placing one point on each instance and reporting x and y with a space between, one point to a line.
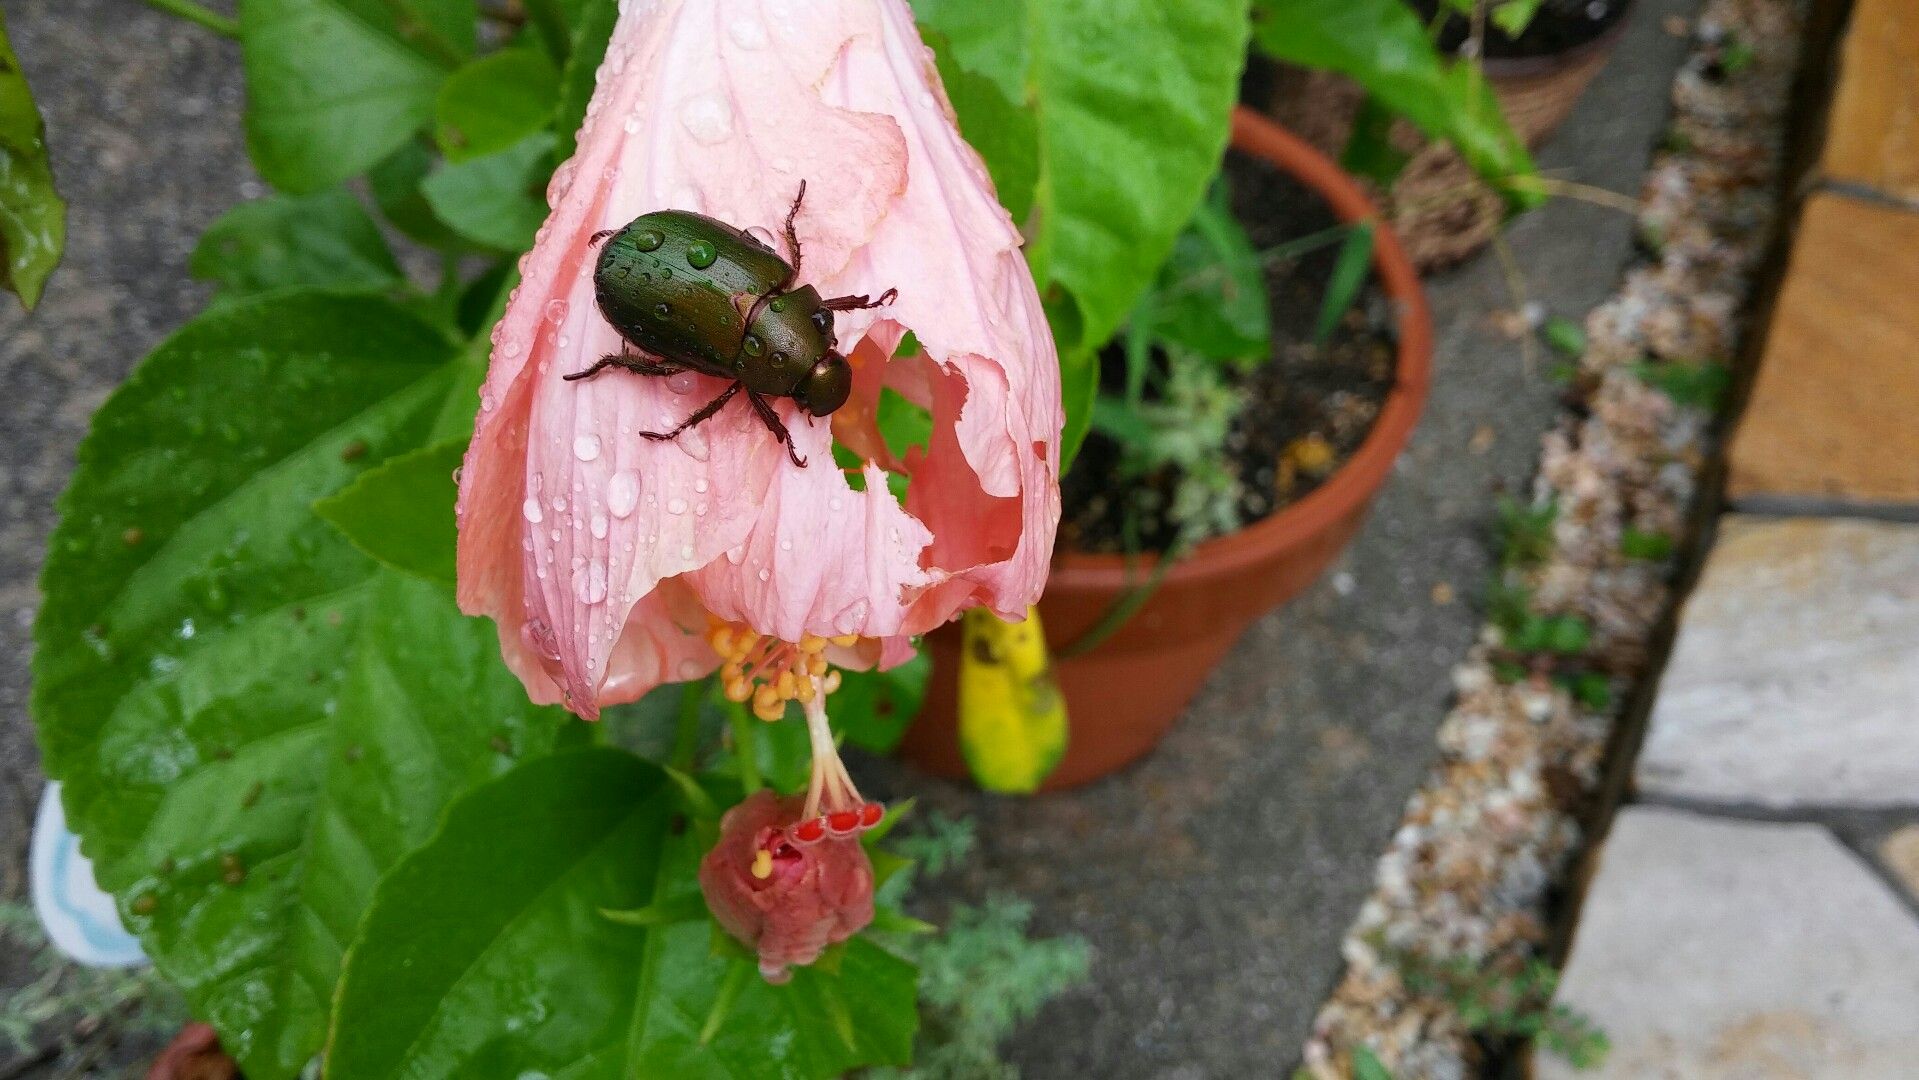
613 562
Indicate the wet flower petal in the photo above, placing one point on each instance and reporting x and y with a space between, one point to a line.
594 548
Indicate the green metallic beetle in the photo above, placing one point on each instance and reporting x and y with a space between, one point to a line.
697 294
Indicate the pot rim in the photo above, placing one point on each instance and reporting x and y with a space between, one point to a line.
1355 482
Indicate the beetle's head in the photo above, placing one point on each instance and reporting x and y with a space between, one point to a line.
825 387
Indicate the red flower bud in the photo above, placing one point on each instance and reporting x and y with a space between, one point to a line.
788 901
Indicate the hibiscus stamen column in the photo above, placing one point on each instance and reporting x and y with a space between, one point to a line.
833 805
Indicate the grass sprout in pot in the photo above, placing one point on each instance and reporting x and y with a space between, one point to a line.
1247 416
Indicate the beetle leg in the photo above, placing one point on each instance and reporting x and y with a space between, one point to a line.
793 240
599 236
706 413
860 303
638 365
772 421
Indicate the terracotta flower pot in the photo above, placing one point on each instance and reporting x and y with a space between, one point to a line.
1125 693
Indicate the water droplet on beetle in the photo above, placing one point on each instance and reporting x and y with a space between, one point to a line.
649 240
586 447
681 383
589 582
662 310
751 345
623 492
676 506
531 508
700 254
762 235
708 118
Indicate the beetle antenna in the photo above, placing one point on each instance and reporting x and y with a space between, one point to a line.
594 240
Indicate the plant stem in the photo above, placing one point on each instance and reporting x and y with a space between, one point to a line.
686 737
746 745
192 12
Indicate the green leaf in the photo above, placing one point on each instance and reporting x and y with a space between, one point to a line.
253 720
1695 384
497 201
401 511
997 125
592 29
485 953
873 708
1383 46
1566 336
494 102
1211 296
395 186
1349 275
1367 1067
1513 16
328 93
444 31
33 220
1642 544
1130 104
323 239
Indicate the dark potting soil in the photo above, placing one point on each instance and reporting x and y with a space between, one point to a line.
1308 408
1560 25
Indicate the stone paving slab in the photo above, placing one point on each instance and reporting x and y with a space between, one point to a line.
1717 949
1873 130
1793 680
1831 411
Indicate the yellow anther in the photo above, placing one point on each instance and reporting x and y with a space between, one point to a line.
812 643
846 640
831 682
738 690
765 697
816 666
762 864
805 692
722 641
772 712
786 684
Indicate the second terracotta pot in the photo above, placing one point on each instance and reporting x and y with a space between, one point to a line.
1125 693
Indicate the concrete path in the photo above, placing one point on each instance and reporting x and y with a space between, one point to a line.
1755 913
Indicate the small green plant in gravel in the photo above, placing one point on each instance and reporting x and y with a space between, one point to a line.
1503 1001
983 976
